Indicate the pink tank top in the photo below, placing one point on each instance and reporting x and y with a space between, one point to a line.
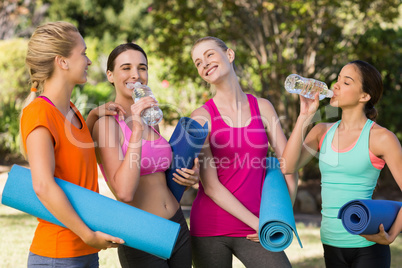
156 155
239 155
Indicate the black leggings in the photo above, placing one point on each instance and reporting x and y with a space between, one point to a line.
181 255
217 251
375 256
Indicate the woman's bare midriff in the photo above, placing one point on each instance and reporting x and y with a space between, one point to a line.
154 196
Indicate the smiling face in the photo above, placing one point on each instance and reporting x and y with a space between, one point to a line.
78 61
130 66
211 61
348 90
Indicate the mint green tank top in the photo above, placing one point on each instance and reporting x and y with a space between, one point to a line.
345 176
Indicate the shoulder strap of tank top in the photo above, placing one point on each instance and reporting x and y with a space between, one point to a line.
155 130
253 103
329 135
47 100
121 123
211 108
365 134
126 133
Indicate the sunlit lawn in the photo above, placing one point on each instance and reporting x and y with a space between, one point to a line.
17 229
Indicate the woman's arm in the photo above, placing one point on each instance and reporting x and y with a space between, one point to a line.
299 150
384 144
278 140
110 108
122 172
42 163
213 187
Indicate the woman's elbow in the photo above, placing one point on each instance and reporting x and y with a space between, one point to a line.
210 192
40 189
287 171
124 196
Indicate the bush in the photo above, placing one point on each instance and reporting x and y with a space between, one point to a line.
9 127
14 77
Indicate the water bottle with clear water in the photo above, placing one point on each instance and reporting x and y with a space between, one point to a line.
307 87
151 116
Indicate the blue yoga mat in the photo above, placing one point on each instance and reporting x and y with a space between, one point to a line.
365 216
186 142
139 229
277 222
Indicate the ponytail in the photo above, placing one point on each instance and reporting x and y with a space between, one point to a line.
27 101
32 94
372 84
370 111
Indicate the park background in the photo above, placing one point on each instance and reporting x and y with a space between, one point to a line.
272 39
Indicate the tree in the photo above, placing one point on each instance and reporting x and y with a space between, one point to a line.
271 38
123 20
19 18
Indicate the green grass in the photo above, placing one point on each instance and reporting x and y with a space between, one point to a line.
17 229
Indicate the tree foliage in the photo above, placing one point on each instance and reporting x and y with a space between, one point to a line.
272 39
13 75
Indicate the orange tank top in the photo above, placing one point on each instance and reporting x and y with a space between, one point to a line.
75 162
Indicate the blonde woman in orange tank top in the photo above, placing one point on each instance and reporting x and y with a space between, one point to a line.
57 61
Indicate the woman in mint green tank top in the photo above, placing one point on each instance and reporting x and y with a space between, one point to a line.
351 154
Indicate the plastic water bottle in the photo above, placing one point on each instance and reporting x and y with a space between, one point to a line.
151 116
307 87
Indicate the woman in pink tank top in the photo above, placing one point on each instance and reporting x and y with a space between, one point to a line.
134 157
225 214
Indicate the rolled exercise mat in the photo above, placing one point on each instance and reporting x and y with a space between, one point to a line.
277 222
365 216
139 229
186 142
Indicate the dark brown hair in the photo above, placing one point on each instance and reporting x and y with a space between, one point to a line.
372 84
120 49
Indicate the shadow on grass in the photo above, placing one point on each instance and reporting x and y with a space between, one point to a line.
314 262
17 219
19 216
396 254
318 262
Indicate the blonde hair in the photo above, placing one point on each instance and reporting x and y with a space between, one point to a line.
218 41
48 41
